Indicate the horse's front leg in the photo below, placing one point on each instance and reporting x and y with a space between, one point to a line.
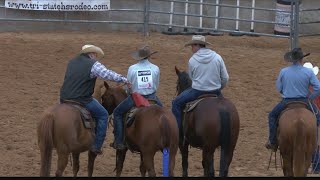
184 153
92 156
120 157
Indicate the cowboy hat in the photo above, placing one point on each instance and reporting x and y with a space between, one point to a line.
197 39
314 69
295 55
142 53
88 48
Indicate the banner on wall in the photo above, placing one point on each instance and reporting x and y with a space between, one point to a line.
59 5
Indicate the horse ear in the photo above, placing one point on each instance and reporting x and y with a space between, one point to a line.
106 85
177 70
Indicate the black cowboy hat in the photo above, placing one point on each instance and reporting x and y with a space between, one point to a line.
295 55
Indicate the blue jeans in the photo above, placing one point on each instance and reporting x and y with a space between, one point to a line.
186 96
100 114
119 112
274 114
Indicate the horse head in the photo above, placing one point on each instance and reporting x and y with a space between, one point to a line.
183 81
112 96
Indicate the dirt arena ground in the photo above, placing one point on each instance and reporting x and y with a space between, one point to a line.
32 69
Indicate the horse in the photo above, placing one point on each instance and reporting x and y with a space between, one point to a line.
213 122
296 135
154 128
61 128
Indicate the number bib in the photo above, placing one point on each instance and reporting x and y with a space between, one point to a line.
144 78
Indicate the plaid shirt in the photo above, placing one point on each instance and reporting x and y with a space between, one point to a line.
99 70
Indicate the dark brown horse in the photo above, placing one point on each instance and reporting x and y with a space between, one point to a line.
213 122
297 139
61 127
154 128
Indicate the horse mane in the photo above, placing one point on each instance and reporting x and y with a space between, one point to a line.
184 81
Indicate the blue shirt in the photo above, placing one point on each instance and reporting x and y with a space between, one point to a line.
294 82
144 77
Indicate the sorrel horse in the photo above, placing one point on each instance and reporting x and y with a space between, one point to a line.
61 127
296 138
154 128
213 122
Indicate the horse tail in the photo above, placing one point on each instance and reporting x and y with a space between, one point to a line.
299 143
45 142
165 136
165 131
225 138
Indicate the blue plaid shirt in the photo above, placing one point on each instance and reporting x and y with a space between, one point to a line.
99 70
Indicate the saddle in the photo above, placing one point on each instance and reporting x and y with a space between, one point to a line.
129 117
192 104
292 105
87 119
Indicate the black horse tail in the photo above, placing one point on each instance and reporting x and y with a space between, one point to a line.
225 140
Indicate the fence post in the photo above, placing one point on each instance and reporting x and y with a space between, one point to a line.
146 18
296 24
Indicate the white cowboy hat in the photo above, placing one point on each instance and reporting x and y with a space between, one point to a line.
88 48
314 69
197 39
142 53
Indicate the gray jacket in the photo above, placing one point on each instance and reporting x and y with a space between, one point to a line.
207 70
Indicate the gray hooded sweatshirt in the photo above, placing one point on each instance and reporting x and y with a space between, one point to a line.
207 70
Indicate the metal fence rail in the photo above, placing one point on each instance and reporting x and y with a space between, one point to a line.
147 16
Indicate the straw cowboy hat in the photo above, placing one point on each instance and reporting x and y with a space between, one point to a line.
295 55
142 53
197 39
314 69
88 48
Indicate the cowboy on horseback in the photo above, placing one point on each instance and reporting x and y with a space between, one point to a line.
79 82
293 84
144 77
207 72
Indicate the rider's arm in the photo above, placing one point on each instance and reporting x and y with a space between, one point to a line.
223 74
99 70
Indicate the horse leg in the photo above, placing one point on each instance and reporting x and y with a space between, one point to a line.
287 166
92 157
142 168
62 163
75 159
172 161
148 162
120 157
207 162
184 154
